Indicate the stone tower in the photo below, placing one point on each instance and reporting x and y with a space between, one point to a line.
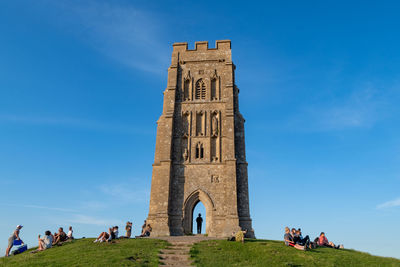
200 148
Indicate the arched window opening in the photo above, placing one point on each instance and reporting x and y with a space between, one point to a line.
199 151
199 225
200 90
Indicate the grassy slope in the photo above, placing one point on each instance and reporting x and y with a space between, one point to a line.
275 253
132 252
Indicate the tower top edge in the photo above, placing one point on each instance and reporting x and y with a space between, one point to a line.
202 45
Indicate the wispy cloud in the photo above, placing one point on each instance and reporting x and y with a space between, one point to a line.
85 219
389 204
75 123
94 205
38 207
123 193
122 32
361 109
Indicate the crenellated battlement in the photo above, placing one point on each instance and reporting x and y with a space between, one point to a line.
202 46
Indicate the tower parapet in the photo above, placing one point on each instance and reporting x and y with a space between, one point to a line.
202 45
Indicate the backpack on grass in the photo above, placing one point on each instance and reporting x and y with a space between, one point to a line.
20 249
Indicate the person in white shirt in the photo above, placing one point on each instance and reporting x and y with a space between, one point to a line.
46 241
70 232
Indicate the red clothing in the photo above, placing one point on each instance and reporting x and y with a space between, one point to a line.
323 241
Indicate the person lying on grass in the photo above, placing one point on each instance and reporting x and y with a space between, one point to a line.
289 240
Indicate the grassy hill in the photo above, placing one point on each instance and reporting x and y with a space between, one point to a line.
124 252
144 252
275 253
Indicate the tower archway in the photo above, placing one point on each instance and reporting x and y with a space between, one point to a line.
190 203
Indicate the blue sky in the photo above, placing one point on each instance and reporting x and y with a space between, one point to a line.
81 86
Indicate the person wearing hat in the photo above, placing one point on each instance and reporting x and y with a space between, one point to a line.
12 238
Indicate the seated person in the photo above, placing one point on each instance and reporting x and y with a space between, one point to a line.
239 237
232 237
293 232
298 239
146 231
103 237
70 232
46 241
111 234
115 230
59 237
323 242
143 228
289 240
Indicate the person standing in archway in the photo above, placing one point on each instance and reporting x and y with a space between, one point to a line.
199 221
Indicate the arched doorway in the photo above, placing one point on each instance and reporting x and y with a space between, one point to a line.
188 216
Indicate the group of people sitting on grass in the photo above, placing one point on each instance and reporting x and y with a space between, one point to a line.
294 238
45 242
112 233
49 240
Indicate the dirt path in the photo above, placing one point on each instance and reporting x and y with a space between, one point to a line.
177 254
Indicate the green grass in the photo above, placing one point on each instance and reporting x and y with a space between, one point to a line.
275 253
144 252
124 252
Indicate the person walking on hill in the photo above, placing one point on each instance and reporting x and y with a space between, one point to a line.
199 221
14 236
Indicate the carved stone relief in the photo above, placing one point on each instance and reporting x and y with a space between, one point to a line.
186 124
214 124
